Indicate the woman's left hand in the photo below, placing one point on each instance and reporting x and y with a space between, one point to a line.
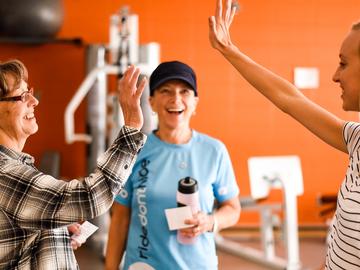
74 229
202 223
219 24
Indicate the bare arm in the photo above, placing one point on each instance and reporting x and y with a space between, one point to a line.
282 93
118 232
228 213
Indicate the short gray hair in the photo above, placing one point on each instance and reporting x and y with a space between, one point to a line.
14 68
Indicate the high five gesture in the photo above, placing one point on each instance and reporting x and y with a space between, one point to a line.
129 97
278 90
344 242
219 25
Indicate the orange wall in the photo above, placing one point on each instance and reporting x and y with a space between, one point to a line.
55 71
280 34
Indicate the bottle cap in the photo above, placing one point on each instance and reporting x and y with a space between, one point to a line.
187 185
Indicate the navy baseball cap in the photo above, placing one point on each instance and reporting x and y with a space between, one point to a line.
173 70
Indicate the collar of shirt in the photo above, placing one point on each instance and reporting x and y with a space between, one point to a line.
22 157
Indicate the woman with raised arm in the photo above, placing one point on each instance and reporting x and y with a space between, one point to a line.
35 208
344 245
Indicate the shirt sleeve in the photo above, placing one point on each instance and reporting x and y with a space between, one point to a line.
351 134
125 195
225 187
34 200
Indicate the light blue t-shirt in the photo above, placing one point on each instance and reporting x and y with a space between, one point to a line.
151 189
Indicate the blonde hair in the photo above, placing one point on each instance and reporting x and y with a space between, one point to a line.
14 68
356 26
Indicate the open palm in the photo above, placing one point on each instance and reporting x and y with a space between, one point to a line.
220 23
129 97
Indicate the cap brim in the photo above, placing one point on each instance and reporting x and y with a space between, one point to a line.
164 80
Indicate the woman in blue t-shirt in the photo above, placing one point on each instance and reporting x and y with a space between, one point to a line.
172 152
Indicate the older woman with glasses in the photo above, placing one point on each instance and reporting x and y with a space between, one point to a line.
36 208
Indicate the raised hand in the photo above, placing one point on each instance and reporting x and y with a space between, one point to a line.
219 25
129 97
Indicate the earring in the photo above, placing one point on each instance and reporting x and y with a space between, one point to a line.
153 113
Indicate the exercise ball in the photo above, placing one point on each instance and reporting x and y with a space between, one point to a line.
30 18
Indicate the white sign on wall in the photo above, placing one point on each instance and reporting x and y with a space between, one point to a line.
306 77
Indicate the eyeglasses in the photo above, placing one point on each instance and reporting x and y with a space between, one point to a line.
24 97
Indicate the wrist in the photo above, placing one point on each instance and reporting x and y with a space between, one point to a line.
133 125
134 121
228 48
214 224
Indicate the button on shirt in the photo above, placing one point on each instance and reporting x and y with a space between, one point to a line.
35 208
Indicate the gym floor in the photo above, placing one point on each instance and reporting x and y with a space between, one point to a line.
312 254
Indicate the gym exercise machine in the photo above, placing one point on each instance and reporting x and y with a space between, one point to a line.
266 173
104 117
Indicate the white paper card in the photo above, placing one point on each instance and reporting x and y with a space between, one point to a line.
176 217
86 229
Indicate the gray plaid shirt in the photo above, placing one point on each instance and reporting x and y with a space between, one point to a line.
35 208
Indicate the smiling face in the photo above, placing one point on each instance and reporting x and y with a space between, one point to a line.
348 71
18 121
175 103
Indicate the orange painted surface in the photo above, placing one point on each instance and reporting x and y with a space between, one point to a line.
55 71
279 34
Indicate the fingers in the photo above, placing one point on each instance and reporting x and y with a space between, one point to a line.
212 23
128 73
74 229
228 4
233 12
218 9
193 231
129 97
141 87
135 76
212 32
196 231
130 77
75 245
227 16
200 224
